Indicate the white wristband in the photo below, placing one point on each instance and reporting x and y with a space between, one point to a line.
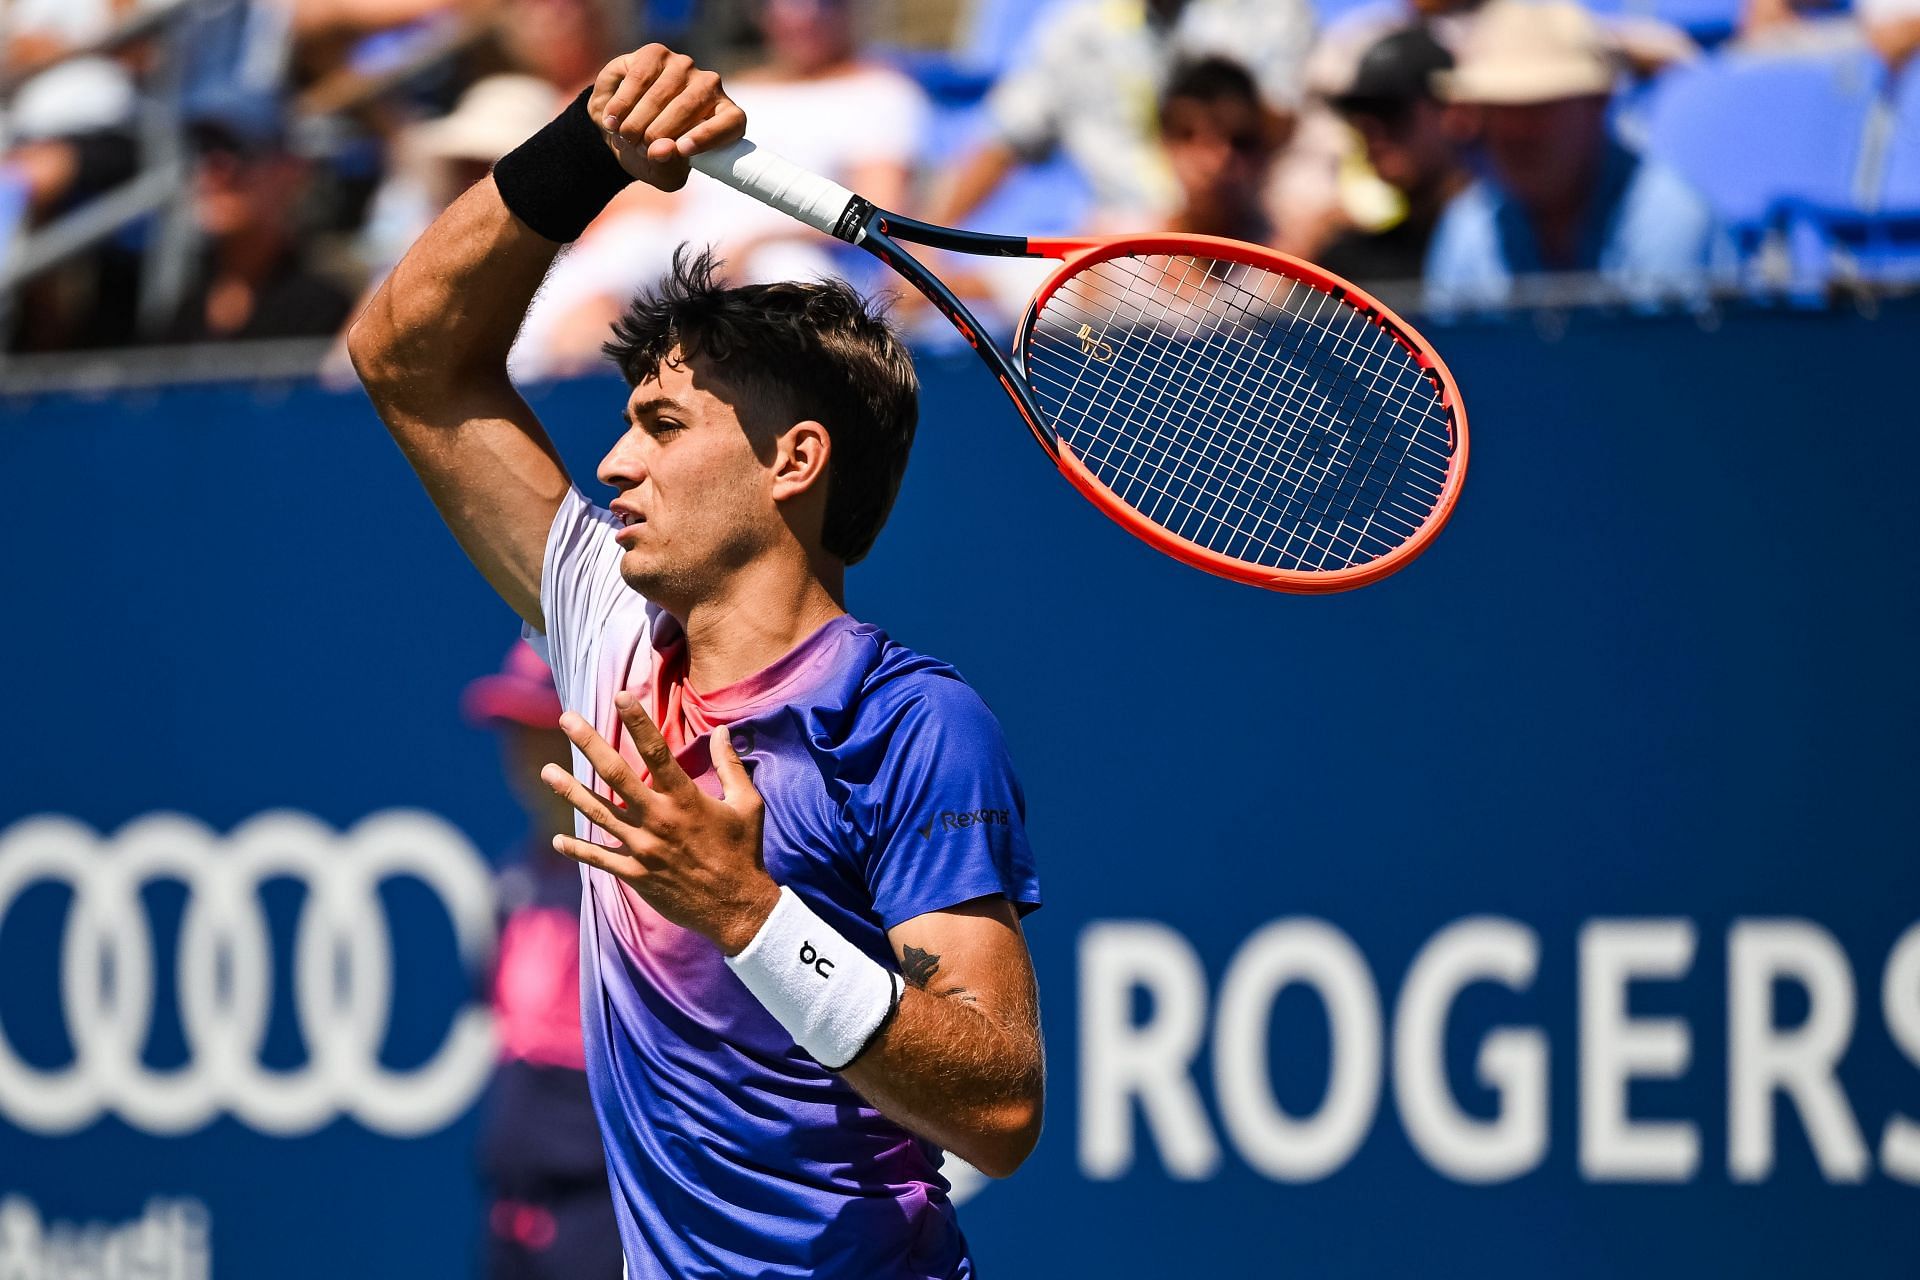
832 997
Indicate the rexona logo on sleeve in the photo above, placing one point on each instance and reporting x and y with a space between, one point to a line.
955 819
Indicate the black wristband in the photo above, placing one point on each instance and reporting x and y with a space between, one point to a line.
560 179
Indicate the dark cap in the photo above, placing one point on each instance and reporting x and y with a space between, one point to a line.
1396 70
249 123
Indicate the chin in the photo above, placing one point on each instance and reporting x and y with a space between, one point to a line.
650 578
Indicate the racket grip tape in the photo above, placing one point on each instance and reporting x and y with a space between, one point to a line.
777 181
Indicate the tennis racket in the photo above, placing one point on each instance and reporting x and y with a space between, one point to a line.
1233 407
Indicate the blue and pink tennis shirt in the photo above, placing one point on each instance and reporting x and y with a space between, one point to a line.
889 794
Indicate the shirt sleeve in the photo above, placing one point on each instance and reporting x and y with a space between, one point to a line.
944 814
580 586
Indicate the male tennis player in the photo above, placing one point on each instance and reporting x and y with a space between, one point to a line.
799 982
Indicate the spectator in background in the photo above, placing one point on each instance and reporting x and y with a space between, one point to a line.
1392 104
804 101
67 132
1796 26
564 42
550 1214
1089 85
1892 27
431 163
1220 143
253 281
67 136
1560 194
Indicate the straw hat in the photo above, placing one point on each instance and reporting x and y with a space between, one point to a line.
1524 51
493 116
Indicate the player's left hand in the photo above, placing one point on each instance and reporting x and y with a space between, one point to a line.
696 859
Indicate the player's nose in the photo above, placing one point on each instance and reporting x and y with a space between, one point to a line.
624 466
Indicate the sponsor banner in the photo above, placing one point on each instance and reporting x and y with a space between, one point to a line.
1548 909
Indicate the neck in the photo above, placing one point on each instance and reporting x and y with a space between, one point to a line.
765 611
1557 223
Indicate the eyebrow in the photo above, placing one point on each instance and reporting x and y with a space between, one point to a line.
655 405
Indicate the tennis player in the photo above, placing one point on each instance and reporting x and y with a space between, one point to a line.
803 973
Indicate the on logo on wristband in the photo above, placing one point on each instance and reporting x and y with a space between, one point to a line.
814 960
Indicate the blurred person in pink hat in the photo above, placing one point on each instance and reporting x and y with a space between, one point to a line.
1532 82
550 1211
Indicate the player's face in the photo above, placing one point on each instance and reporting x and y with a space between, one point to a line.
694 488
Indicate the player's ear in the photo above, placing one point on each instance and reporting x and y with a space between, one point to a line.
800 457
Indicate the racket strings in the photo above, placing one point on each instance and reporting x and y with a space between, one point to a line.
1243 410
1314 406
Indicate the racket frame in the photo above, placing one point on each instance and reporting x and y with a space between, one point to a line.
848 216
1079 253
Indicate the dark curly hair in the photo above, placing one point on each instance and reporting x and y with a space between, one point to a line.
811 350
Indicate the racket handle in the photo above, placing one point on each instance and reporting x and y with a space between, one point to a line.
777 181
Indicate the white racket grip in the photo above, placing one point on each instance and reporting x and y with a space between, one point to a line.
777 181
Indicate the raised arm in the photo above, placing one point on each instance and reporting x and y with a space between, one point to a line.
431 346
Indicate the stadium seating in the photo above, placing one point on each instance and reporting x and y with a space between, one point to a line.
1880 238
1900 193
1759 135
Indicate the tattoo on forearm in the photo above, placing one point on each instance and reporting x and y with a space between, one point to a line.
918 967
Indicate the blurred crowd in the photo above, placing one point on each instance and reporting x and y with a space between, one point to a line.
1457 143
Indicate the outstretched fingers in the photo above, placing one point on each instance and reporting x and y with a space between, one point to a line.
668 777
612 861
608 763
593 807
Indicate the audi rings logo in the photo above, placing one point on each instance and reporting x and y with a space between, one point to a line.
342 976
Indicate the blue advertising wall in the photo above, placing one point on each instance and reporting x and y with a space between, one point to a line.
1542 910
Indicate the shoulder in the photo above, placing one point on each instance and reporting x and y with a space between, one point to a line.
907 714
917 692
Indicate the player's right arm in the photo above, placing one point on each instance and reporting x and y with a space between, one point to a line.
431 346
